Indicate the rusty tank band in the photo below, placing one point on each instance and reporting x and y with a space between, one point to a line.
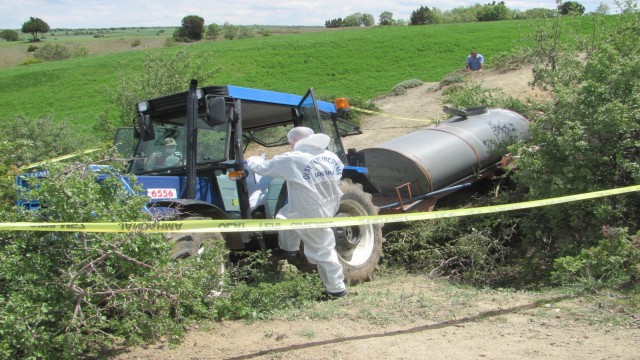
278 224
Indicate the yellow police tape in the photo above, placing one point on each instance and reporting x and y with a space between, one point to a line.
56 159
391 116
278 224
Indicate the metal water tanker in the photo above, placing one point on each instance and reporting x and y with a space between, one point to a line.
438 156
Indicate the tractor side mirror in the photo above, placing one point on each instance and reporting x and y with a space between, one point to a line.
216 114
145 127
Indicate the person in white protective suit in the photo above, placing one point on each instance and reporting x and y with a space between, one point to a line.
313 177
257 186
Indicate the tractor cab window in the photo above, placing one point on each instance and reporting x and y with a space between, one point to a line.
168 150
165 152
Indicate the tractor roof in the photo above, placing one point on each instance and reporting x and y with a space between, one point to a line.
260 108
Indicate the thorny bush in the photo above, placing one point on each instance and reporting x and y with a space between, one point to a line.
67 293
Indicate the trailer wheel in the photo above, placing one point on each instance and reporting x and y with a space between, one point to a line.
186 245
359 247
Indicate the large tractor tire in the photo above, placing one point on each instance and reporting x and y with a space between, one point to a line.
186 245
359 247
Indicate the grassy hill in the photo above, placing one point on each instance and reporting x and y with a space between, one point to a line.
357 63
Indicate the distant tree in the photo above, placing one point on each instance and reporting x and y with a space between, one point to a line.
180 35
538 13
246 32
494 12
333 23
571 8
230 31
193 27
462 14
9 35
35 26
213 31
358 19
351 20
423 16
368 20
386 18
603 9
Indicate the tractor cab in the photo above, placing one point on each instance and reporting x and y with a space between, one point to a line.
188 148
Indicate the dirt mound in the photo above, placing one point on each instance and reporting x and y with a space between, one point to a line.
422 105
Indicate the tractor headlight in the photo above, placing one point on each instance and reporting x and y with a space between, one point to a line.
143 106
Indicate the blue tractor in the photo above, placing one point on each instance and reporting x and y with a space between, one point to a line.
188 149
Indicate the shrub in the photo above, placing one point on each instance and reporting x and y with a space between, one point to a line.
30 60
455 77
614 260
9 35
246 33
472 95
44 138
49 52
471 251
32 48
512 61
402 87
162 73
136 42
80 51
261 288
169 42
65 294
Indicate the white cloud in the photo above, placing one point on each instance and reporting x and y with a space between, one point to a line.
121 13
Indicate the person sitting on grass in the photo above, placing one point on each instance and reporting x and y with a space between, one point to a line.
474 61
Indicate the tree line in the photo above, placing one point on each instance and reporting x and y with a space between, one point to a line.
488 12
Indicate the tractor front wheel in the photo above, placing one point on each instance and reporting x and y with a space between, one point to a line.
186 245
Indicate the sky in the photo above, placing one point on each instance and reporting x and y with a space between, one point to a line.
76 14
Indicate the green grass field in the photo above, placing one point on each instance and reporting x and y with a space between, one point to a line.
357 63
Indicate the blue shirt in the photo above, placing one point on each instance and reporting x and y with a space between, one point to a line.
475 64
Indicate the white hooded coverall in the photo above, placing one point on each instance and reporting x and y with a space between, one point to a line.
313 177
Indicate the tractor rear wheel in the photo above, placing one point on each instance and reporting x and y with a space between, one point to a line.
359 247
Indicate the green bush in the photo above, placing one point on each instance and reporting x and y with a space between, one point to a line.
614 260
80 51
505 62
262 288
169 42
162 72
32 48
402 87
30 60
9 35
455 77
590 143
65 294
462 250
50 52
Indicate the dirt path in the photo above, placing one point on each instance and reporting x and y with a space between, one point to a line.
413 317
